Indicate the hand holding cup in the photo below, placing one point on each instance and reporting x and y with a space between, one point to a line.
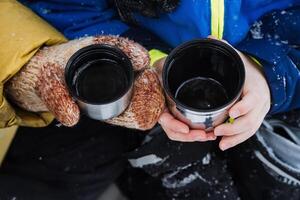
184 130
40 85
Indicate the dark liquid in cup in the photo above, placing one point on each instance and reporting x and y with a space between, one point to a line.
202 93
101 81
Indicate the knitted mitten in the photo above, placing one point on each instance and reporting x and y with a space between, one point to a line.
40 86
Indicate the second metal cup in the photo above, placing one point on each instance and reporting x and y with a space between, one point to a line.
202 80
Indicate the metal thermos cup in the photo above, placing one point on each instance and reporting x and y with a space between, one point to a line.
95 57
199 61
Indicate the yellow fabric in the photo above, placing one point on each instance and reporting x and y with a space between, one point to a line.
6 136
217 18
156 55
22 33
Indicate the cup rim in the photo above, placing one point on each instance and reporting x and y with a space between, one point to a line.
91 48
208 42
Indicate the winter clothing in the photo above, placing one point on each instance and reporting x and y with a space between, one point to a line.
275 43
22 33
60 163
40 85
230 20
264 167
267 40
79 163
270 163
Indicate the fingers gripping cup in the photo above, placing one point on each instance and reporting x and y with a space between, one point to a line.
100 78
202 80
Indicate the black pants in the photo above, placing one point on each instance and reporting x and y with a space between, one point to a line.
79 163
65 163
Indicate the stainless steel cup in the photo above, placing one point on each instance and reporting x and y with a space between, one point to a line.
203 59
94 57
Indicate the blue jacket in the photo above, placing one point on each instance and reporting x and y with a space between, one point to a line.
267 30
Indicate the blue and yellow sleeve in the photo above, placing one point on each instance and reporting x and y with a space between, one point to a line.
279 55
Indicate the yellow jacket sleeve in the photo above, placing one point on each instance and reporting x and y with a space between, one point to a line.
22 33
